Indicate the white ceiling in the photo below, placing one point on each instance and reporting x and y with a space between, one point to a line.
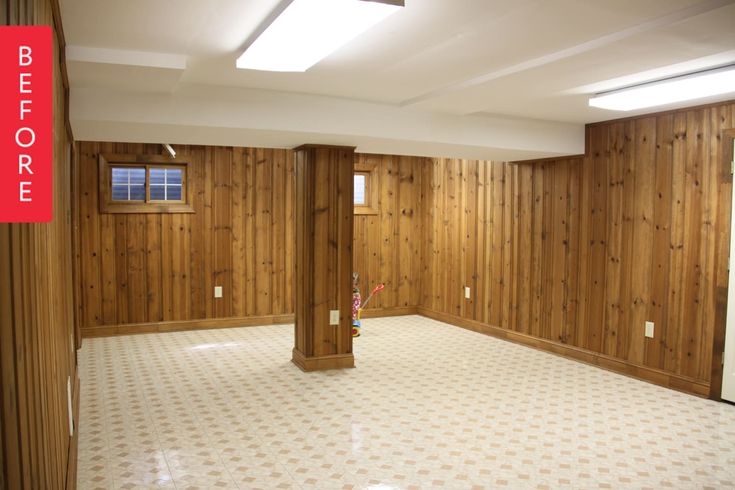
501 79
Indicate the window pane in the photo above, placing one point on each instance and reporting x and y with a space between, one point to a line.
120 192
137 192
360 189
157 192
119 176
137 176
165 192
157 175
173 176
174 193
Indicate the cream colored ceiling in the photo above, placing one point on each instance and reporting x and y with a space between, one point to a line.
480 78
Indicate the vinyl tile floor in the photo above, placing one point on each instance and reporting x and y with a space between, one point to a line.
428 406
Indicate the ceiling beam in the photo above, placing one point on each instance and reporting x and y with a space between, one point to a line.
86 54
249 117
656 23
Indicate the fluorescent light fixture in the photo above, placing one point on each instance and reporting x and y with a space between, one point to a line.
677 89
309 30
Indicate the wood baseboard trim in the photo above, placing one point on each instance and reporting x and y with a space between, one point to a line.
382 312
184 325
248 321
620 366
322 363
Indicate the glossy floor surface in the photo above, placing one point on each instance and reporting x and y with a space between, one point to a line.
428 406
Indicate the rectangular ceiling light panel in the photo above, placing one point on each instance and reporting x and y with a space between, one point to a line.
309 30
688 87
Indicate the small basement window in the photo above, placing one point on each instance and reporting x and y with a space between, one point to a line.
360 189
366 189
143 184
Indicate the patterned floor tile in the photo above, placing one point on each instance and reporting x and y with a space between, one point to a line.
428 406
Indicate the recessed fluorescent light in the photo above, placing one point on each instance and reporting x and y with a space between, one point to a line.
309 30
686 87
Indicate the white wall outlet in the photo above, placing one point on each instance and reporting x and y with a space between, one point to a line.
334 317
649 330
467 292
218 291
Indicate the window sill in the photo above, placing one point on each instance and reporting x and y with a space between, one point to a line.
365 211
124 208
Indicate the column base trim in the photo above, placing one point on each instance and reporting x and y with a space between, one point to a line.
322 363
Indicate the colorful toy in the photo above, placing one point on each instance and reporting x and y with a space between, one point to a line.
357 305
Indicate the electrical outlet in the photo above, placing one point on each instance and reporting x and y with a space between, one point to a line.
218 291
467 292
649 330
334 317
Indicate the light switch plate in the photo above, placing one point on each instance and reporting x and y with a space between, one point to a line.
467 292
334 317
649 330
218 291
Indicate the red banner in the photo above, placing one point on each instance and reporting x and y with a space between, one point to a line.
26 122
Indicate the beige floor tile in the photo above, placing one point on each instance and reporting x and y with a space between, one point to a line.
428 406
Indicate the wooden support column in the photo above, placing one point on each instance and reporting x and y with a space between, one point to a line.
323 282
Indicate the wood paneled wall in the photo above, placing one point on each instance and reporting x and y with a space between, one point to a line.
492 229
388 245
582 251
37 341
140 270
147 268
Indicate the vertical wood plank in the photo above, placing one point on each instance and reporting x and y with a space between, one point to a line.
598 238
616 223
661 255
277 232
388 223
524 268
479 264
403 231
153 268
263 243
645 149
199 291
560 254
693 279
289 233
249 205
136 268
238 236
573 232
